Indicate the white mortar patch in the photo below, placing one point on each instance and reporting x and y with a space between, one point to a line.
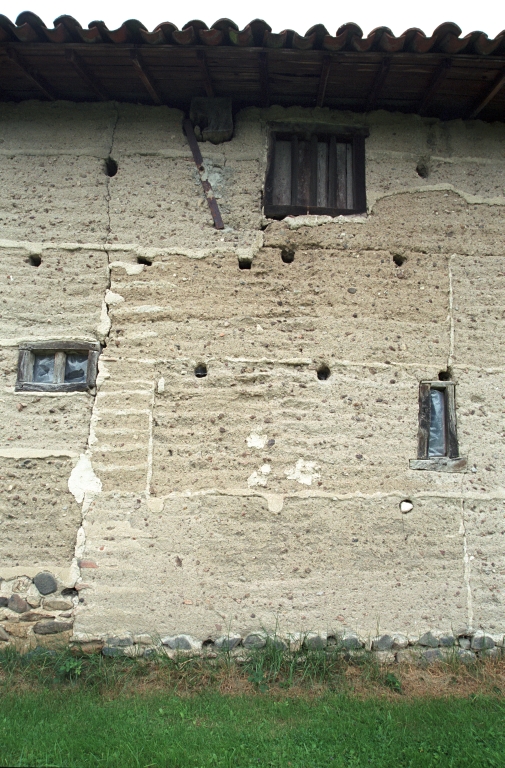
130 269
256 441
161 385
303 472
150 308
112 298
259 478
104 325
83 480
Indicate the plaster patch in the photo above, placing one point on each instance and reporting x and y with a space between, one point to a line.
256 441
83 480
35 453
104 325
130 269
275 502
103 373
161 385
303 472
259 478
112 298
150 308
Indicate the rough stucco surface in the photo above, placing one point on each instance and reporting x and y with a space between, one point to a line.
258 495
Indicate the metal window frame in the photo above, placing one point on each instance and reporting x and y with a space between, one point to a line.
452 461
352 135
26 360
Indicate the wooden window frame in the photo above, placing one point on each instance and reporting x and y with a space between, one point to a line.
451 461
353 136
26 362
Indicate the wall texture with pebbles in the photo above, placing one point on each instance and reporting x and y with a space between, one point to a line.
258 495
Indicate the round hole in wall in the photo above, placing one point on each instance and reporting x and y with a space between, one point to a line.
399 260
406 506
144 260
244 263
422 169
200 370
323 373
110 166
34 261
444 376
287 255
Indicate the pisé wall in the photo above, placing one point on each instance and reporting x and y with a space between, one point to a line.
258 496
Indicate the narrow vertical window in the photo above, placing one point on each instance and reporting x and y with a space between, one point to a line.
438 447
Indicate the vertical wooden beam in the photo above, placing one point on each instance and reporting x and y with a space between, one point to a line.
497 86
313 172
438 76
332 173
141 71
32 74
379 80
91 81
264 85
204 71
207 188
294 170
323 80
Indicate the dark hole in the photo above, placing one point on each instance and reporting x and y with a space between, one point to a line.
244 264
323 373
422 169
287 255
110 166
201 371
35 261
208 643
69 592
144 260
399 260
444 376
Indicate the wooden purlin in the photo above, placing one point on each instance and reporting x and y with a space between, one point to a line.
33 75
438 76
141 71
379 80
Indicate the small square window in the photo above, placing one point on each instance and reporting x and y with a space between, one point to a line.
315 171
57 366
438 448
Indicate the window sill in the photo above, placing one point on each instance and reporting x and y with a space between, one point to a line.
440 464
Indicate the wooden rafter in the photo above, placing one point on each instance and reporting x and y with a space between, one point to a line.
32 74
144 76
497 86
436 80
204 70
91 81
323 80
379 80
264 84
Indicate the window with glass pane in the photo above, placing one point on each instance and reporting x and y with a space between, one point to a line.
437 421
315 172
437 442
57 366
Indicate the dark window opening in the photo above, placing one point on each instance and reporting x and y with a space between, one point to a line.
201 371
244 263
34 261
111 166
437 420
144 260
315 171
323 373
57 366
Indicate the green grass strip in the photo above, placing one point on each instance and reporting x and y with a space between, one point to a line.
76 728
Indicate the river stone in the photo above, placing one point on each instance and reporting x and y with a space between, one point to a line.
254 640
52 627
107 650
17 604
182 643
228 642
58 604
384 657
383 643
400 642
465 643
315 641
482 642
119 641
491 653
467 657
429 639
350 641
45 583
4 601
4 636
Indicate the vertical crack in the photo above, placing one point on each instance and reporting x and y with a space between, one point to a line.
451 316
467 567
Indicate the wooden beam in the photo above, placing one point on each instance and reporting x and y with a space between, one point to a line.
497 86
379 80
438 76
323 80
32 74
85 75
204 70
141 71
264 85
197 157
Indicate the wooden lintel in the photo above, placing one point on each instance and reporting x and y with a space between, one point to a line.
438 76
146 79
264 85
379 80
32 74
497 86
323 80
85 75
204 70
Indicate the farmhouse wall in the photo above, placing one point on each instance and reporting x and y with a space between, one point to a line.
258 495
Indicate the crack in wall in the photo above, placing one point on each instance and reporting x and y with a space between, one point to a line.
451 315
467 568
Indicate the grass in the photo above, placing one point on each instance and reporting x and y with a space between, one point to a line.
274 708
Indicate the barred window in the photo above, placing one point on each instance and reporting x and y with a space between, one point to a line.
438 447
57 366
315 171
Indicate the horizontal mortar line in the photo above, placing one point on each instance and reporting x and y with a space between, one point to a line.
443 187
36 393
496 162
129 448
121 411
48 337
115 392
106 468
37 453
39 246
